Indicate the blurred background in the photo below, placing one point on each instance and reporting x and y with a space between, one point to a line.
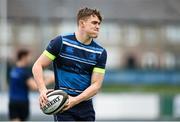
142 38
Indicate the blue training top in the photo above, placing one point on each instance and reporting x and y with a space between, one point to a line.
74 62
18 90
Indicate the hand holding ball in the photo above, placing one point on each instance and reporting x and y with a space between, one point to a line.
56 101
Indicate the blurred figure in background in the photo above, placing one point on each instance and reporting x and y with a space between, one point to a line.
20 83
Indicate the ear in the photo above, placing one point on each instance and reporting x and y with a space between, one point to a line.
81 23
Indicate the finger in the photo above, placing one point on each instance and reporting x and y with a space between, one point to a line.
40 104
43 101
65 105
44 98
64 109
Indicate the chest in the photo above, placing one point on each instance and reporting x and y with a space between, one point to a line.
77 59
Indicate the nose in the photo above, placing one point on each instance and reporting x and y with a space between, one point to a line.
97 26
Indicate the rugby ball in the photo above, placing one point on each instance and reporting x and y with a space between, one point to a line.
56 101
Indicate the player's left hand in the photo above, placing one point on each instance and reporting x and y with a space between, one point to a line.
71 102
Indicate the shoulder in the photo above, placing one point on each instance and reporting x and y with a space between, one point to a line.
68 36
98 46
13 70
57 38
55 41
69 39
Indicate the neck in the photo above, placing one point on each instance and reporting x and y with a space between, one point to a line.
20 64
83 37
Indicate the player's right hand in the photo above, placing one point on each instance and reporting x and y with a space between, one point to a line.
43 98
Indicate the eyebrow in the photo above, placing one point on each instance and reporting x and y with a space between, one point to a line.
96 22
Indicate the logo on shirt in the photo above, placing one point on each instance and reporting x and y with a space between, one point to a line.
69 50
92 56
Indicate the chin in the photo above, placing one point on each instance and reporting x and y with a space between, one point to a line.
94 36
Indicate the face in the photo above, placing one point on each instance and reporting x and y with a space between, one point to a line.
27 59
91 26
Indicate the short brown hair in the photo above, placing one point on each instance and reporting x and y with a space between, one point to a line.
87 12
22 53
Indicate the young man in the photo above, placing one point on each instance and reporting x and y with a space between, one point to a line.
79 67
20 83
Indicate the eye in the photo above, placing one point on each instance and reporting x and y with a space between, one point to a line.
95 22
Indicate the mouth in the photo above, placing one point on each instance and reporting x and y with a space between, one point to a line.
96 31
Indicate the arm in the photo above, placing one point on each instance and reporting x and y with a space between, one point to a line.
44 60
92 90
37 70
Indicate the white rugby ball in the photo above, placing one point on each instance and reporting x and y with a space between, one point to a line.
56 101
